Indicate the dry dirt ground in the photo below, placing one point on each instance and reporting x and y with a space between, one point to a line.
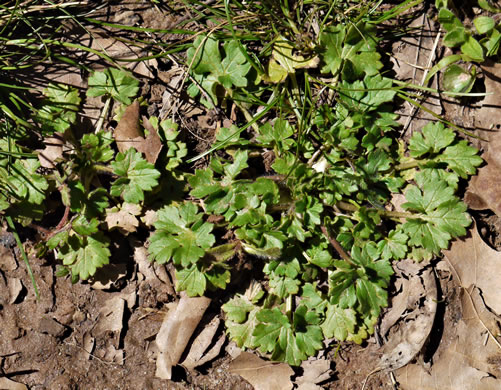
100 335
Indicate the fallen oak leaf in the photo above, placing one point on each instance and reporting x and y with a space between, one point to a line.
475 264
128 133
111 318
484 189
469 362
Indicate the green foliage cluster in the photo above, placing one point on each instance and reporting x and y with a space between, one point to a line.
475 44
320 226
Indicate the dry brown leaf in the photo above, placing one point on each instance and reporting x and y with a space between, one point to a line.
476 263
489 113
471 359
150 217
404 345
314 371
469 362
484 189
128 134
107 276
176 330
404 64
7 384
199 352
152 144
262 374
118 50
88 344
111 320
15 288
53 150
409 291
7 260
124 219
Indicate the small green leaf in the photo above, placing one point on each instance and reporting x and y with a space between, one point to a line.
448 20
332 43
136 176
283 55
456 79
394 246
204 59
455 37
485 5
84 255
239 164
191 280
379 91
60 111
241 321
339 323
442 216
484 24
473 49
433 138
183 237
492 43
84 227
96 147
114 83
461 158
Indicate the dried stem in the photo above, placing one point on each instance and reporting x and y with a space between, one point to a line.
337 246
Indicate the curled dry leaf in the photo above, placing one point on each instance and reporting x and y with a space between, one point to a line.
404 345
108 276
150 217
7 260
15 288
176 330
53 151
88 343
484 189
474 263
128 134
200 353
152 144
154 274
124 219
409 291
470 360
262 374
314 371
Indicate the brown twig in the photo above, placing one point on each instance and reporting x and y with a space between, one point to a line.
337 246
